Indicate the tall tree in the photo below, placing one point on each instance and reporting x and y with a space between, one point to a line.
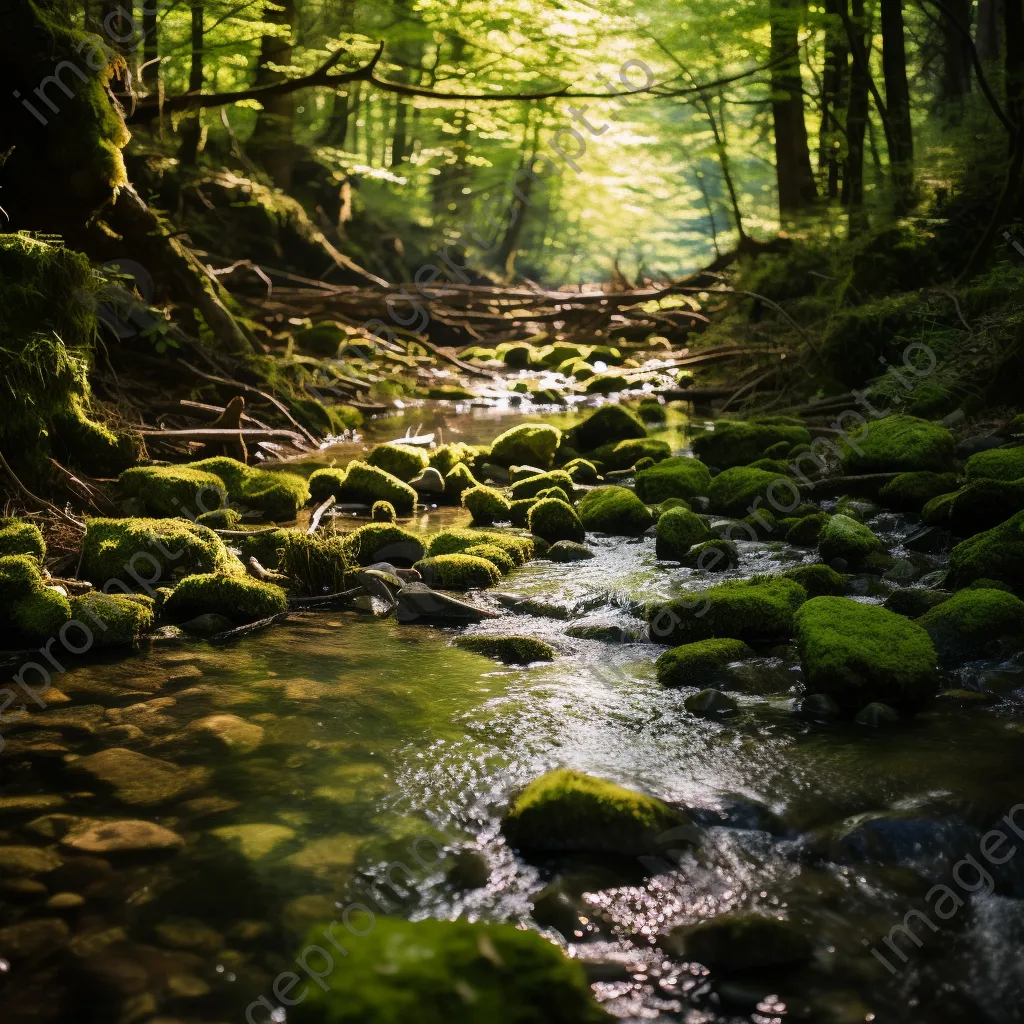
151 77
900 136
835 83
859 37
956 55
989 33
271 142
191 129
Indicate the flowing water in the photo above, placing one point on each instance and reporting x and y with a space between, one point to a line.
372 753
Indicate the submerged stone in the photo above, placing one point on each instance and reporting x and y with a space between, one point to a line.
739 942
711 703
418 603
569 551
512 650
877 715
109 838
138 779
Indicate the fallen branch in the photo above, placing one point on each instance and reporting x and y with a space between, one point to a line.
226 433
320 510
41 502
253 627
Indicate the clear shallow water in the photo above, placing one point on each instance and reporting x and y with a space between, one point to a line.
377 742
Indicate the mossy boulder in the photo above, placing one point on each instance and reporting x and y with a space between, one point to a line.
18 537
174 490
716 555
221 519
532 443
626 454
458 480
697 663
369 484
910 492
770 465
983 504
531 486
913 602
501 559
241 599
615 511
445 457
510 650
609 424
457 572
818 580
936 511
757 610
764 524
383 512
711 703
279 496
384 542
442 972
738 942
30 611
555 492
582 471
972 622
486 505
996 554
900 444
677 531
151 550
858 653
323 483
566 812
114 618
650 410
264 545
519 511
738 442
555 520
606 384
457 540
996 464
845 538
735 491
568 551
806 532
403 461
675 477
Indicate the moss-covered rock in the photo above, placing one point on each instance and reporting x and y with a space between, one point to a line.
385 542
511 650
442 972
996 554
735 491
554 520
818 580
457 540
458 480
566 811
900 444
568 551
711 703
582 471
910 492
606 384
500 558
983 504
675 477
403 461
151 550
739 942
457 572
279 496
114 618
626 454
843 537
697 663
30 611
445 457
913 602
615 511
18 537
858 653
996 464
315 564
715 555
757 610
486 505
174 490
383 512
241 599
264 545
677 531
770 465
221 519
738 443
650 410
607 425
555 492
532 443
764 524
531 486
936 511
519 514
971 623
807 531
368 485
325 482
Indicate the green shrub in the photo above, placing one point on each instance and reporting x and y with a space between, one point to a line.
400 460
368 485
615 511
240 599
555 520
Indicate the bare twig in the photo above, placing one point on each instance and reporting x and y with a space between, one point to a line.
320 510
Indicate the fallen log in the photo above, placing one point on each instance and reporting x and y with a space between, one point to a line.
226 434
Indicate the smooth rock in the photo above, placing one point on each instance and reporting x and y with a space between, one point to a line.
233 733
819 707
34 940
12 806
418 603
137 779
711 703
430 481
208 624
114 837
25 861
876 715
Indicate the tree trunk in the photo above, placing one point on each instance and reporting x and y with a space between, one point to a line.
797 190
399 140
834 85
956 57
191 128
271 141
1013 25
989 33
505 256
722 152
152 80
897 102
856 122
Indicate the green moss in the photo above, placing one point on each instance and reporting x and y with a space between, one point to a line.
626 454
445 457
859 653
757 610
582 471
913 602
531 486
738 942
515 355
150 549
511 650
650 410
457 572
764 524
238 598
734 491
325 482
220 519
910 492
712 556
780 450
936 512
676 477
458 479
644 463
314 564
30 611
555 520
677 531
534 444
555 492
606 384
738 442
996 464
279 496
486 505
694 664
818 580
996 554
806 532
615 511
566 811
983 504
454 541
264 545
900 444
383 512
327 418
568 551
501 559
400 460
478 353
323 339
114 618
843 537
519 514
18 537
607 425
442 972
971 623
385 542
174 490
368 484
